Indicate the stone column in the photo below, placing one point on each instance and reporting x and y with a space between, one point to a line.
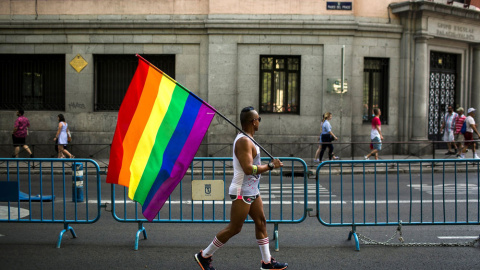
475 90
419 117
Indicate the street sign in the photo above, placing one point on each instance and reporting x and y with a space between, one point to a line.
339 5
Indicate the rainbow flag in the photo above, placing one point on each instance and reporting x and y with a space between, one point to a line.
159 129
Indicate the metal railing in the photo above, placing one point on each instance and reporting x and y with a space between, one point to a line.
348 194
98 152
405 192
357 150
304 150
284 197
44 194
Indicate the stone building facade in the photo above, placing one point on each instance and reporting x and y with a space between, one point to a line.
395 55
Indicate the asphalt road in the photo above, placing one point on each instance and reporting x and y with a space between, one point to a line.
109 245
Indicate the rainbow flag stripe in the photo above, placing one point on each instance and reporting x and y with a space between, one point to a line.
159 129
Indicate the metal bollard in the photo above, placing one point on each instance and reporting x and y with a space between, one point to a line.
77 182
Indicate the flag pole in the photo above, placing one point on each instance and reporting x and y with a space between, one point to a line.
208 105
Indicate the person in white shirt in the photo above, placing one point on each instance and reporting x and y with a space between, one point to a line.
448 129
327 137
245 195
471 127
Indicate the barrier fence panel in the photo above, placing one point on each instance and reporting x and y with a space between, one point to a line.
54 191
284 194
398 192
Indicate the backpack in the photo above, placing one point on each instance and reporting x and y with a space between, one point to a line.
464 127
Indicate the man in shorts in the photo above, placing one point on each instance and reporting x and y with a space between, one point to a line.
471 127
448 129
19 134
245 195
376 136
459 138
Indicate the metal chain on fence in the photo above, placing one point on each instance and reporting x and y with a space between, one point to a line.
368 241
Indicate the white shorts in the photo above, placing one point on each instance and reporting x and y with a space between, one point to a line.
448 136
246 199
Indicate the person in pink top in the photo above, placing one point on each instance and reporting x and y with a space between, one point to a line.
376 136
19 134
458 126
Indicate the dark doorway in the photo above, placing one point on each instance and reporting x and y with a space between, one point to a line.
442 89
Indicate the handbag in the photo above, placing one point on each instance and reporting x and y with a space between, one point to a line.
69 136
464 127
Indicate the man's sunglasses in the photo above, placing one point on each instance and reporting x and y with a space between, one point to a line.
259 119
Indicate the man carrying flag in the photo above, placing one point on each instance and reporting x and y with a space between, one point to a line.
160 126
245 194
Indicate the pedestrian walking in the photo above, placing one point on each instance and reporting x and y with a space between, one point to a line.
56 150
245 194
376 136
327 137
317 153
20 133
62 137
448 129
471 127
459 138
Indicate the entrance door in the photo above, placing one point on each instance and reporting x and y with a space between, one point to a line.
442 87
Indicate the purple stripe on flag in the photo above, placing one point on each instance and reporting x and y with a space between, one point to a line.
200 127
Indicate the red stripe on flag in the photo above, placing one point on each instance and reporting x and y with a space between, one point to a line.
125 115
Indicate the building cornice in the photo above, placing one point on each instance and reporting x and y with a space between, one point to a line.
195 24
433 7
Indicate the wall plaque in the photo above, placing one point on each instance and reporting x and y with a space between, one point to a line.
78 63
453 30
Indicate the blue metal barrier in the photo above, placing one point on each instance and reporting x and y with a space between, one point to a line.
348 193
57 199
398 192
284 194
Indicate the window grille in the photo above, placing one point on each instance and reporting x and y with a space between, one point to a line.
32 82
280 84
113 74
375 88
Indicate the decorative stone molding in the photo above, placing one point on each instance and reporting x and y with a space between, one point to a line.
438 8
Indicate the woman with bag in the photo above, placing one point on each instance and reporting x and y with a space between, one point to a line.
317 153
63 137
327 137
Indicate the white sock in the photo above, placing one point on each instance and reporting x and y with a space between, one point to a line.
264 246
214 246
